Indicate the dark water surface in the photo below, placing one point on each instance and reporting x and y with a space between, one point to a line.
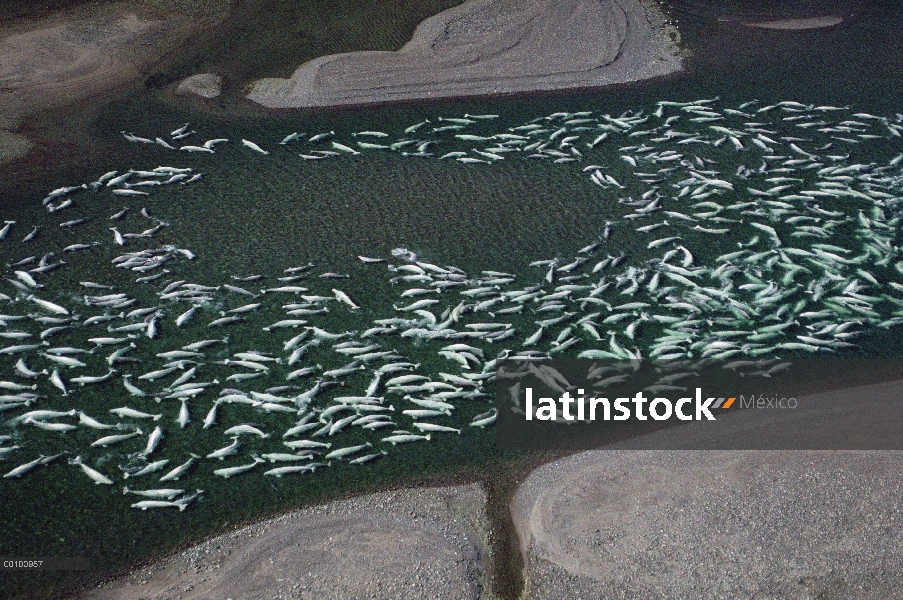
261 214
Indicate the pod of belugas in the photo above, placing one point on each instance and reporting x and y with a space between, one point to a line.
804 233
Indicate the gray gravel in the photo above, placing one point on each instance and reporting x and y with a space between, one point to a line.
414 543
714 524
491 47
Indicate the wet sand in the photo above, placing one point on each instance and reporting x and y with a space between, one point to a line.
485 47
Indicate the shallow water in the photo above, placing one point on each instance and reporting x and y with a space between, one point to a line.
262 214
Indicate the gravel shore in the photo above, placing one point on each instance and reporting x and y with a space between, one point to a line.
633 522
410 543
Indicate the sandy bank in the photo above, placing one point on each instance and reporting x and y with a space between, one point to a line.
491 47
798 24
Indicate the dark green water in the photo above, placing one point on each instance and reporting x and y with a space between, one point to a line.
255 214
